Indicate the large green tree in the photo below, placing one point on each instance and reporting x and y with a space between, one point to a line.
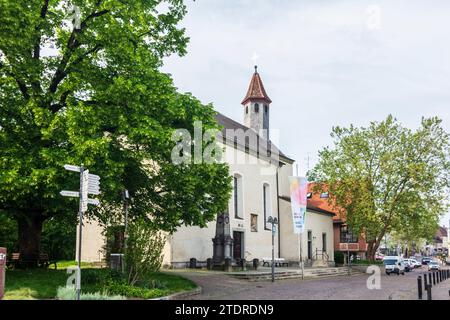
80 82
387 178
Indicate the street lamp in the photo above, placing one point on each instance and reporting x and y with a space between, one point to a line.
273 221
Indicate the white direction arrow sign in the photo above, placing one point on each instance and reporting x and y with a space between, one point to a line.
93 201
74 194
93 177
72 168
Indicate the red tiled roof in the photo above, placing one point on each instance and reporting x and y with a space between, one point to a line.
256 90
322 203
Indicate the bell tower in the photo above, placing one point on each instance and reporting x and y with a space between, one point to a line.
257 106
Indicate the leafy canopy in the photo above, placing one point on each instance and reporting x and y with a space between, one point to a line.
94 95
388 178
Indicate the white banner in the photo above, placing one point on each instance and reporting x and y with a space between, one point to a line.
299 191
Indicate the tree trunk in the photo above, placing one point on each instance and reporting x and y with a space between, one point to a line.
371 250
30 231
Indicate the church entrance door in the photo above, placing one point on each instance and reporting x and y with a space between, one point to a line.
238 242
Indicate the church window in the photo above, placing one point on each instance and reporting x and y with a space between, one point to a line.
266 108
256 107
246 109
266 205
254 223
237 197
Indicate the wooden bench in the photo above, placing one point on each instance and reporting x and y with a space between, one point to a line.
43 261
279 262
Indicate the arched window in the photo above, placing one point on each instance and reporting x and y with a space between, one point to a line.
256 107
267 212
237 197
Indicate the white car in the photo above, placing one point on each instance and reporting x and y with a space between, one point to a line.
433 265
393 264
415 263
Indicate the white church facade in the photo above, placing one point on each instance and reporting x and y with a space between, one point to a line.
260 177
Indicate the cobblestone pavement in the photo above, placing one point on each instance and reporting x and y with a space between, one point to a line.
218 286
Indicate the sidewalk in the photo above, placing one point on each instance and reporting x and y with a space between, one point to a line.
439 291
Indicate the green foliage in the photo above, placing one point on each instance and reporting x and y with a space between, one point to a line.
338 257
387 178
69 293
99 99
8 233
143 255
44 284
59 238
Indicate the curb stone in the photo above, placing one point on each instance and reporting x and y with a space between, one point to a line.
181 295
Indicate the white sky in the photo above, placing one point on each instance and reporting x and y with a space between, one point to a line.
323 63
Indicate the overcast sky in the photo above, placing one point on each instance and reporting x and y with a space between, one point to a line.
323 63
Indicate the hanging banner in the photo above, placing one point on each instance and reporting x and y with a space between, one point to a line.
299 191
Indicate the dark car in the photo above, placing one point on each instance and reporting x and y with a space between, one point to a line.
426 260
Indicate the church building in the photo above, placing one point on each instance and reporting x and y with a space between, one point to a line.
260 173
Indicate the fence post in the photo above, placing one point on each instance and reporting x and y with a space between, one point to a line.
429 279
434 278
425 282
429 292
419 287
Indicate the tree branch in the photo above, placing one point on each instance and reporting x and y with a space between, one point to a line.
61 71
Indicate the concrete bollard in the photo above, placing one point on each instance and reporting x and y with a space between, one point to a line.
419 287
429 292
209 264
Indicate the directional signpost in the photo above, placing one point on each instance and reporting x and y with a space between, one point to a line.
89 184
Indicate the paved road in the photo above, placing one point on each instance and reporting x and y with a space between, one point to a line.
219 286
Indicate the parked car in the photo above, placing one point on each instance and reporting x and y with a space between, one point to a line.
393 264
408 265
433 265
415 263
426 260
379 256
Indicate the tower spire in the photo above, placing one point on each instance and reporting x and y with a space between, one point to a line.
256 90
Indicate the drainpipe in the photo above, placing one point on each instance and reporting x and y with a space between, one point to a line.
278 214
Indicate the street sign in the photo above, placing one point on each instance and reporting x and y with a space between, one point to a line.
93 177
95 202
72 168
74 194
84 186
89 184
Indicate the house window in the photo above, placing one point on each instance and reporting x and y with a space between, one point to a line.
256 107
324 195
324 242
343 236
237 197
266 205
254 223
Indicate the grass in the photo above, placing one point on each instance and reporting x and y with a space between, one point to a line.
44 283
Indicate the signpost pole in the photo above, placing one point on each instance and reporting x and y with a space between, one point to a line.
80 214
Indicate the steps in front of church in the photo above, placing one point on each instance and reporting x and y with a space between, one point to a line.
295 273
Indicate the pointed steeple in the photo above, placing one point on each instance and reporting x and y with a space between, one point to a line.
256 90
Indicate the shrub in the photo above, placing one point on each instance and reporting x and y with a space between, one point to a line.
338 257
69 293
144 251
